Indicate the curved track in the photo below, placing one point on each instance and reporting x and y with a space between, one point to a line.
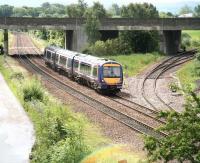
159 70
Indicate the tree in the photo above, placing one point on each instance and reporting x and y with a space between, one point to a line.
114 10
20 12
92 27
185 10
183 140
98 10
137 39
77 10
197 11
93 16
166 15
6 10
46 5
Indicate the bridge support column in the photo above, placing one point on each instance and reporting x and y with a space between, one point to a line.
68 39
5 41
161 41
79 39
172 42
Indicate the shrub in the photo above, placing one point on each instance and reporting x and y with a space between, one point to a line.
174 87
17 75
33 91
186 40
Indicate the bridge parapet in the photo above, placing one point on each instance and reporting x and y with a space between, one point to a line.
106 24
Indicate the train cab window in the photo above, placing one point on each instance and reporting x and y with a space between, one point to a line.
85 69
111 71
75 65
48 55
63 60
69 63
94 73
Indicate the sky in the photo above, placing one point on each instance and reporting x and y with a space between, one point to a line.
162 5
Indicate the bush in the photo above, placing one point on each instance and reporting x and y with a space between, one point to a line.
17 75
174 87
186 40
109 47
59 135
33 91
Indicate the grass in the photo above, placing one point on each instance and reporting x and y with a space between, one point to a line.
188 75
113 154
135 63
47 113
37 100
195 34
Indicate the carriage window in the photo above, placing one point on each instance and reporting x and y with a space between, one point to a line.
57 57
45 54
75 65
48 55
69 62
63 60
85 68
94 73
53 55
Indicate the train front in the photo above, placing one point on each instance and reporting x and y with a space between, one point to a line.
111 78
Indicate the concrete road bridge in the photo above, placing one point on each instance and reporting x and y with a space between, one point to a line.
76 38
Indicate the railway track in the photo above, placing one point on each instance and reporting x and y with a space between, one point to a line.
159 70
124 118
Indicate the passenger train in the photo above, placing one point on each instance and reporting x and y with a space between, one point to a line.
101 74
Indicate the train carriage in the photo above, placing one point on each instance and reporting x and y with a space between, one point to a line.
99 73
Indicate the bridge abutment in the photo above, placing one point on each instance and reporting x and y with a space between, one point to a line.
171 42
76 40
6 41
68 39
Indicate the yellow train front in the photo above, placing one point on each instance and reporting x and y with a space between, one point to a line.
110 77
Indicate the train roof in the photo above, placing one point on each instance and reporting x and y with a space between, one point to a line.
88 59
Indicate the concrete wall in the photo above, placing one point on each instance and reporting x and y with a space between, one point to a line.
6 42
79 39
106 24
172 42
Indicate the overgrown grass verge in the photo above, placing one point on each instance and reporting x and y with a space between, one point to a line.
189 74
61 135
135 63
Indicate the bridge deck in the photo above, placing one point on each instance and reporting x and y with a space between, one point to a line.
106 24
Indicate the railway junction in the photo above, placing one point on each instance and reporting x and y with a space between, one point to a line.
128 113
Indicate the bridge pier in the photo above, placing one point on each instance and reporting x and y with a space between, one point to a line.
5 41
171 41
76 39
68 39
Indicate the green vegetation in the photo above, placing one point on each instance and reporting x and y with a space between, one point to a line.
61 135
194 34
188 74
113 154
1 37
191 39
174 87
182 142
135 63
